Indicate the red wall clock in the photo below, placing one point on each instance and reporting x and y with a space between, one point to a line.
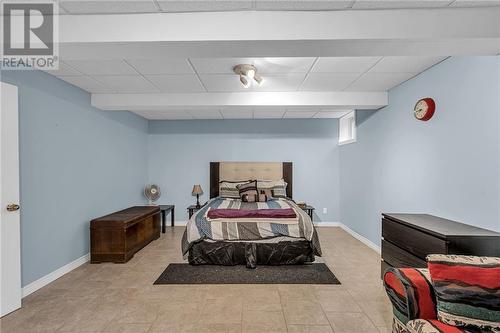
424 109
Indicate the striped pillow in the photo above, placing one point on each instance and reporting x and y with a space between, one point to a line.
276 187
467 290
248 192
265 195
228 189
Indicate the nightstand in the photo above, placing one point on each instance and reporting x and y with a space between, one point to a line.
309 210
192 209
165 209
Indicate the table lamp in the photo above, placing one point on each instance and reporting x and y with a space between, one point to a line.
197 191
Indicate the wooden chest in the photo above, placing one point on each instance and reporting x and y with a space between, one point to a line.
118 236
408 238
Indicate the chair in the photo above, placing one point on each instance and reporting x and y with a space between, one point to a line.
414 303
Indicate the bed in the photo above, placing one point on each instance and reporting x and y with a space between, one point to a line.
247 242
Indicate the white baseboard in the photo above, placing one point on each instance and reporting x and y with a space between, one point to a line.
351 232
327 224
362 239
43 281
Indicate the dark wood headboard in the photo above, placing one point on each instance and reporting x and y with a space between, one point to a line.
215 178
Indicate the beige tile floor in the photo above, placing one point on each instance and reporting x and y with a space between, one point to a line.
121 297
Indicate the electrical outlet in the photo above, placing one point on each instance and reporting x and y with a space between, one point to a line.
325 211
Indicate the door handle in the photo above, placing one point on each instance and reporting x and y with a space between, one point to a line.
13 207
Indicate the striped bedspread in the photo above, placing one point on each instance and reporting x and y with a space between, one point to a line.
199 227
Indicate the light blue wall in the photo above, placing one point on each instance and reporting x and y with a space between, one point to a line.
76 163
180 153
448 166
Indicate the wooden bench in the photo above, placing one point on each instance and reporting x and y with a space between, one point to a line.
118 236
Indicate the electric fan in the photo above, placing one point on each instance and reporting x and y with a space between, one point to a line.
152 193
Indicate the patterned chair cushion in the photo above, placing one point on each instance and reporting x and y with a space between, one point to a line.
410 292
435 326
467 290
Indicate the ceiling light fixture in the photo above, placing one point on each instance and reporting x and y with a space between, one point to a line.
244 81
251 73
248 74
258 79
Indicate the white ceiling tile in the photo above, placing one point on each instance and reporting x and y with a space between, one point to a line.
102 67
229 83
330 114
328 81
204 5
404 64
299 114
161 66
182 83
87 83
379 81
344 64
237 113
206 114
395 4
127 83
268 113
474 3
64 70
303 4
107 7
282 65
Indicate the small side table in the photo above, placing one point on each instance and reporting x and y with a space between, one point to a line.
309 210
165 209
193 209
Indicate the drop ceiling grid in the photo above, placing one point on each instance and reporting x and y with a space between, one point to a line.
283 74
84 7
248 113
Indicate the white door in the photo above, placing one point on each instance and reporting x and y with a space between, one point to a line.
10 231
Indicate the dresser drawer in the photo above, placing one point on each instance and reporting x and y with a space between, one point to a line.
399 258
412 240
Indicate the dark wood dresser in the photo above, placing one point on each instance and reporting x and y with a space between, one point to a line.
118 236
408 238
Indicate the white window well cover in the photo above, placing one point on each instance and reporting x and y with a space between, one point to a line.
347 128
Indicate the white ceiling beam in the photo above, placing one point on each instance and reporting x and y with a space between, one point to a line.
266 34
330 100
258 49
330 25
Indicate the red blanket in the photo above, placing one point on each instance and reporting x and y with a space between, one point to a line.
286 213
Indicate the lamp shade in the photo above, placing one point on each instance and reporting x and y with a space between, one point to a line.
197 190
